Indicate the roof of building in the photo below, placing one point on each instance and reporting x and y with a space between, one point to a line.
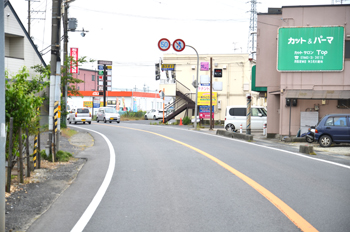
276 11
7 3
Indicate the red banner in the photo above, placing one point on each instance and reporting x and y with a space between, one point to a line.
74 62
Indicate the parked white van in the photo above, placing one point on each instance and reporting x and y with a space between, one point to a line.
235 116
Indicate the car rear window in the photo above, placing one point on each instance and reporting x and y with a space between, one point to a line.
110 110
83 110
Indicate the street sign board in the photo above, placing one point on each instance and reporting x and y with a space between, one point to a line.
204 66
302 49
204 98
179 45
204 112
166 67
164 44
100 67
106 62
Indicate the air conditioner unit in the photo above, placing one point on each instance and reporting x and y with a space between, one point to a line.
224 67
193 67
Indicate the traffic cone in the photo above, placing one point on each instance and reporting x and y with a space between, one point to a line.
180 122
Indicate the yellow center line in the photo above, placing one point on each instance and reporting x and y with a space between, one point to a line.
299 221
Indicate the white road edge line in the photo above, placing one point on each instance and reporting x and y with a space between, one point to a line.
272 148
90 210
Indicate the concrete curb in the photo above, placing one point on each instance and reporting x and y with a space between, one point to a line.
235 135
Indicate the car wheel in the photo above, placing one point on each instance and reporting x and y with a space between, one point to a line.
75 122
118 121
154 117
69 122
83 122
110 121
230 127
325 141
104 120
89 122
309 140
97 120
146 117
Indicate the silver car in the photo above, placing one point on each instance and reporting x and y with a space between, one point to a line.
79 115
107 114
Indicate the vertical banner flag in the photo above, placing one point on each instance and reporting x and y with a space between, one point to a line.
74 65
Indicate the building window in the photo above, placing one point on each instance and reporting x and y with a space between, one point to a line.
93 78
347 49
14 46
344 103
78 88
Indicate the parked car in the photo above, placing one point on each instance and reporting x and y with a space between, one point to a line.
154 114
107 114
235 116
333 128
79 115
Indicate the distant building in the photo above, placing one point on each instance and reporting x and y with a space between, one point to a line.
19 47
20 50
231 88
303 58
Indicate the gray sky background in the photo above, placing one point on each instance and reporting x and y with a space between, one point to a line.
127 32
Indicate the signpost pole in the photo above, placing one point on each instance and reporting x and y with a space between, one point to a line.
211 95
195 108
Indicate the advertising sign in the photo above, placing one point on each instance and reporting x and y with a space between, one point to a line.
204 66
87 104
310 49
204 88
166 67
204 112
74 62
204 98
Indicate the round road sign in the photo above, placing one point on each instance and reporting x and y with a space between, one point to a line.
164 44
179 45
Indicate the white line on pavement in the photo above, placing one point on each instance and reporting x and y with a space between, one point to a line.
90 210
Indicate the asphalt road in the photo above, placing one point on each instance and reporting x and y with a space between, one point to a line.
159 178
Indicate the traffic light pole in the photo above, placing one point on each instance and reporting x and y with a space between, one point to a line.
196 106
104 84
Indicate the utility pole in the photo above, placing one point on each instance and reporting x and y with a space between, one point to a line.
65 54
211 95
29 18
2 120
55 63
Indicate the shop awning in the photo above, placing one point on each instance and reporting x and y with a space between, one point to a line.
318 94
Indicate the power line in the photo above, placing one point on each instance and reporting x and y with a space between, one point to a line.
160 18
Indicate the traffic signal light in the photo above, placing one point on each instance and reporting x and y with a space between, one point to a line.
157 71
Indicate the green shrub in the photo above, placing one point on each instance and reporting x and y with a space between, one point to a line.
61 156
186 121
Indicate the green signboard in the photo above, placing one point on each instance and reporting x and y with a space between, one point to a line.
310 49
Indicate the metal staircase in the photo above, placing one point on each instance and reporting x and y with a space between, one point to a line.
184 100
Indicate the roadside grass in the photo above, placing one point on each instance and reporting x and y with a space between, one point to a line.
67 132
133 116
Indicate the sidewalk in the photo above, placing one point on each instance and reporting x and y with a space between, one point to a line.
336 150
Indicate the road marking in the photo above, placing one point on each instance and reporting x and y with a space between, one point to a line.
293 216
90 210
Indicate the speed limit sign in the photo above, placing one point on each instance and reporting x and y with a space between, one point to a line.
164 44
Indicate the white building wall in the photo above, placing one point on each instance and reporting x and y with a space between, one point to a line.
20 47
236 78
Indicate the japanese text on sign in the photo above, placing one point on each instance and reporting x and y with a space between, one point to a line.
74 60
310 49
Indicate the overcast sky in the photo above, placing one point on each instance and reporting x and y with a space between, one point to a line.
127 32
